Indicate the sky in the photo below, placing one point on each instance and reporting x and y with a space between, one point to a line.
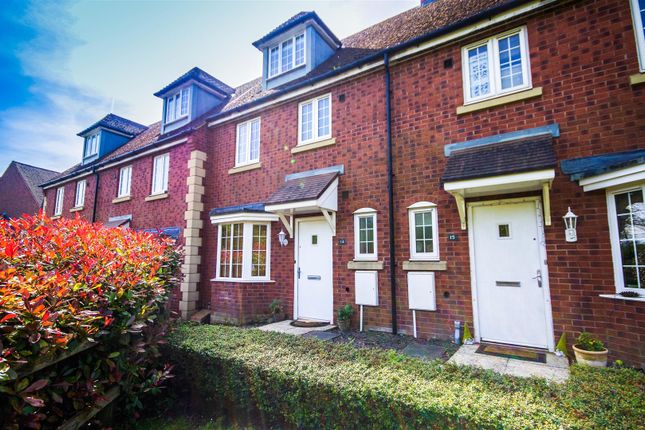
65 64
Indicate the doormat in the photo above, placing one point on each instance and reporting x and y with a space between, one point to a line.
308 323
512 352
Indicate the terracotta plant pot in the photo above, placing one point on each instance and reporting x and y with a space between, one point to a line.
591 358
343 325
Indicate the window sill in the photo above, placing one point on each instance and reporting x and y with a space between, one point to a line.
365 265
619 297
637 79
432 266
56 217
500 100
156 197
77 208
244 168
121 199
244 281
313 145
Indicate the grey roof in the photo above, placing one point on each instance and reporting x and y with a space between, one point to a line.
294 21
516 156
579 168
307 188
200 76
116 123
34 176
247 207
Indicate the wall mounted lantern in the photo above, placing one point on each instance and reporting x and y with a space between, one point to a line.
570 222
282 238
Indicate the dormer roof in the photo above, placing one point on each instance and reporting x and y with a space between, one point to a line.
198 75
294 21
116 123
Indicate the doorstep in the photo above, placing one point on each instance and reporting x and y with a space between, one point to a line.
286 327
556 369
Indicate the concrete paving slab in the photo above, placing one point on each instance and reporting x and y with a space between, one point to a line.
286 327
322 335
424 351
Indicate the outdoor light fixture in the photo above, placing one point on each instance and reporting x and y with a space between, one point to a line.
570 221
282 238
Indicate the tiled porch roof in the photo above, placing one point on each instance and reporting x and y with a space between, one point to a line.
301 189
579 168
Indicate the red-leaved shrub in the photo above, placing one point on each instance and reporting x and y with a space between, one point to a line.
67 282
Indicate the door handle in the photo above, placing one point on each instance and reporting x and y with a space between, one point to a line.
539 278
298 272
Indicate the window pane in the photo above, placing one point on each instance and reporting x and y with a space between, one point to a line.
225 252
273 61
259 251
631 234
242 142
255 140
510 62
323 117
300 50
184 101
237 250
423 232
287 55
478 71
306 119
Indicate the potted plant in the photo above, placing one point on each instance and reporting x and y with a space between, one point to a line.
276 310
345 317
590 351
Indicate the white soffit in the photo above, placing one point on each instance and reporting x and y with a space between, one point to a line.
615 178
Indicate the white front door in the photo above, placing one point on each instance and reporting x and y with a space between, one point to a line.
314 270
511 294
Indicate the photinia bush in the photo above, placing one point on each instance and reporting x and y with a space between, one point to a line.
68 283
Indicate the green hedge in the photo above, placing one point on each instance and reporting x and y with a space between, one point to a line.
307 383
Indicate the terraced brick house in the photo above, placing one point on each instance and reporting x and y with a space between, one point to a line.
424 169
19 189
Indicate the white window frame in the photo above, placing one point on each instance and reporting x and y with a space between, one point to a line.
79 198
617 258
160 185
293 56
315 137
92 142
247 143
125 181
640 34
60 197
416 208
247 252
495 79
171 101
358 255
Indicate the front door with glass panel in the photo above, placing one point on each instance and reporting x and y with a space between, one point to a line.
510 290
314 270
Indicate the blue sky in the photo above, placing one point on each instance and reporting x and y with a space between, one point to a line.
64 64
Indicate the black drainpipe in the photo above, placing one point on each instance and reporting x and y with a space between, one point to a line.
96 195
390 190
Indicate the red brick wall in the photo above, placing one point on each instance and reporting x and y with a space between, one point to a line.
582 57
16 198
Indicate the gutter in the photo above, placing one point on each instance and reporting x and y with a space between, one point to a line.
378 54
390 190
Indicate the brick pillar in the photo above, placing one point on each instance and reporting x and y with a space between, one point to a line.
192 234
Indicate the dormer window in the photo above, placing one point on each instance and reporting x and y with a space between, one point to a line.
177 105
287 55
92 145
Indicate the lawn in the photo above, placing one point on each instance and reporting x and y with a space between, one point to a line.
306 383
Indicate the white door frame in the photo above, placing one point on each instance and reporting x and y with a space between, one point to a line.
297 260
543 263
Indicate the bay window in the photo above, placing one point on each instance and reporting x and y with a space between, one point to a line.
243 251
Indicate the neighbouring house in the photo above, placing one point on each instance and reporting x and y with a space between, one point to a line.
423 168
20 192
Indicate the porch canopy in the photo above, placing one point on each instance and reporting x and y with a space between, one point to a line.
514 166
306 194
606 170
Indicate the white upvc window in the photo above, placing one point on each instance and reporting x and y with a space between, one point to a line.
244 251
247 148
626 211
125 179
177 105
60 196
287 55
365 239
496 66
160 166
92 145
638 16
424 232
79 199
314 120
